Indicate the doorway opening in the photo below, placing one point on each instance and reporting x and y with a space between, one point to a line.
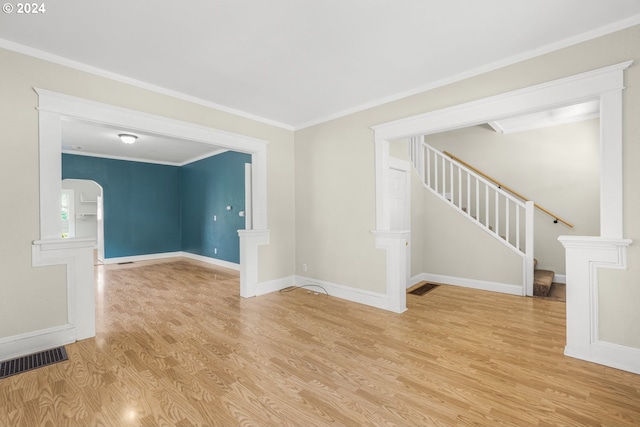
76 253
85 219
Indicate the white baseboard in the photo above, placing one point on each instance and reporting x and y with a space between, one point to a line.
209 260
503 288
151 257
610 354
138 258
415 280
361 296
274 285
33 342
560 278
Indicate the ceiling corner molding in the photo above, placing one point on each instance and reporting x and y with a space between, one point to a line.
76 65
84 109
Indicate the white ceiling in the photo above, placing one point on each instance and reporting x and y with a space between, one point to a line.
294 63
557 116
82 138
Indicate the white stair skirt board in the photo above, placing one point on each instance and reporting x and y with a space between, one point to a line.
360 296
503 288
33 342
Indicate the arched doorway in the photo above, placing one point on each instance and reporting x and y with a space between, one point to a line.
86 219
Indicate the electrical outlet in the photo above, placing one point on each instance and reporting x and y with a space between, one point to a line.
304 267
215 218
215 251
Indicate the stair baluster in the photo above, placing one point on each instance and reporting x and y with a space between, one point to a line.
501 211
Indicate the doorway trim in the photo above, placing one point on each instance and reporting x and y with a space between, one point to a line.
55 108
585 255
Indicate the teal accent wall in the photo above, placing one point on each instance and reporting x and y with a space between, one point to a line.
207 187
141 203
151 208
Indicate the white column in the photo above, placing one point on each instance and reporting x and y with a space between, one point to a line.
50 128
382 190
611 178
259 190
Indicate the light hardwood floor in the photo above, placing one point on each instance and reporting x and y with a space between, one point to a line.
177 346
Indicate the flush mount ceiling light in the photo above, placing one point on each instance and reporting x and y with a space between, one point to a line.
127 138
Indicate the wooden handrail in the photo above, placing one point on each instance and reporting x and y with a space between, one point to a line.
555 217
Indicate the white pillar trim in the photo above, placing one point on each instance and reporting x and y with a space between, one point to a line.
585 256
77 255
395 243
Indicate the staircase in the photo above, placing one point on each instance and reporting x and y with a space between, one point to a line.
542 280
502 215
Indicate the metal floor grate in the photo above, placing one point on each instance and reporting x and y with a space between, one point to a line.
32 361
427 287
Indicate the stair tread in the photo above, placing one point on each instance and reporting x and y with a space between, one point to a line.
542 280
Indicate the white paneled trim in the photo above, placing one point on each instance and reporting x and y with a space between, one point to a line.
483 285
33 342
212 261
77 255
560 278
145 257
249 242
361 296
274 285
395 243
584 257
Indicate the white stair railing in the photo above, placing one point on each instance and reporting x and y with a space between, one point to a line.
503 216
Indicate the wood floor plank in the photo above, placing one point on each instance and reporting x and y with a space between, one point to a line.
177 346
